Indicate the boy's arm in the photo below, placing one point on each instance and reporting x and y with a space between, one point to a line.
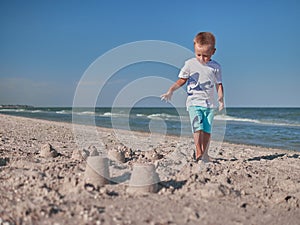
220 91
180 82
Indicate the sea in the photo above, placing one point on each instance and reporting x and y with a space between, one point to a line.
267 127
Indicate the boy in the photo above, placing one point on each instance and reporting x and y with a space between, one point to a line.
201 74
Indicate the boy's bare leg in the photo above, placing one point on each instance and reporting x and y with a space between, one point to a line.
198 139
205 146
202 140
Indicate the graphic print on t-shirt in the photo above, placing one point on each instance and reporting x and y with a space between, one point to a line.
194 84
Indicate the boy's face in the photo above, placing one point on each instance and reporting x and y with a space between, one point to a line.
204 52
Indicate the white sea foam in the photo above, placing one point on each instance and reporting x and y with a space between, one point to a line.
162 116
109 114
12 110
248 120
231 118
87 113
8 110
62 112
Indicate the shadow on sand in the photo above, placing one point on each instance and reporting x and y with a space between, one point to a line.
272 157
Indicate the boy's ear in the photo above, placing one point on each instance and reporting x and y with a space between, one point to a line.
214 51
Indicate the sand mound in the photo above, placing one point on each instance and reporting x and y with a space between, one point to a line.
48 151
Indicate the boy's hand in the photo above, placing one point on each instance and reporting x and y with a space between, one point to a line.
166 97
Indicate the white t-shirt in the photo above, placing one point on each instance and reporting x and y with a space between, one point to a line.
201 82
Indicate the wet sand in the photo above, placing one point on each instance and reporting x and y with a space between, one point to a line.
43 180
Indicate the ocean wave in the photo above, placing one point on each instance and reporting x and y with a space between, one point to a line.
164 116
140 115
109 114
12 110
7 110
262 122
155 116
63 112
84 113
231 118
87 113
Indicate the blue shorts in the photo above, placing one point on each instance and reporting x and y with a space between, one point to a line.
201 118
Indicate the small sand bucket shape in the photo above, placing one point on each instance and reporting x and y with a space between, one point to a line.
97 171
143 179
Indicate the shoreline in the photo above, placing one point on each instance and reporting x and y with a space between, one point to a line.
109 129
247 184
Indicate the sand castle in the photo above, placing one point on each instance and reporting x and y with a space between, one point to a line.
144 179
97 171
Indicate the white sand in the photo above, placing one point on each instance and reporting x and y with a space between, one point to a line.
247 185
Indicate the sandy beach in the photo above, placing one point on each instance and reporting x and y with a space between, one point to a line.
245 184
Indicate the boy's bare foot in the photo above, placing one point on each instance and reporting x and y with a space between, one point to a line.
196 156
199 157
206 159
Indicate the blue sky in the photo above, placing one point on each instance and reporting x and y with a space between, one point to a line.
46 46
